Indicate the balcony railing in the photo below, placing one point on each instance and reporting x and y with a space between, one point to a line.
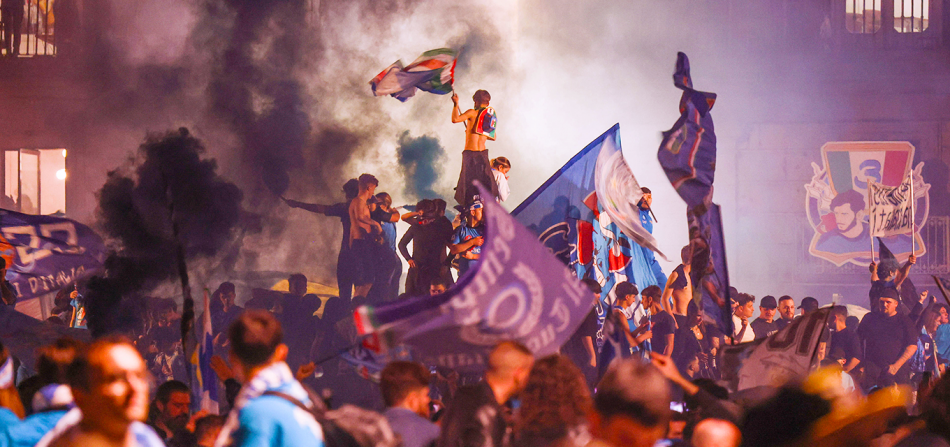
27 27
936 237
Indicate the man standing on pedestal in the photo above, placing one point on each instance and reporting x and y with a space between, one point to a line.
479 127
645 204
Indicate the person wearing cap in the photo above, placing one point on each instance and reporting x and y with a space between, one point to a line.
468 239
766 325
890 340
808 305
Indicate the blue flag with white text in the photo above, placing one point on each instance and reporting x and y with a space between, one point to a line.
45 253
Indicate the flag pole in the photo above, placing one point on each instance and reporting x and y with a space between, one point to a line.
943 291
913 216
870 215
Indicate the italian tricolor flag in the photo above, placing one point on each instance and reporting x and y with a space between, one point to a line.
433 71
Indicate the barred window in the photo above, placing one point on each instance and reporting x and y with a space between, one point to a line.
863 16
911 16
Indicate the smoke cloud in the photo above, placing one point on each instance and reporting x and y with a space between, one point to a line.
277 90
421 159
169 184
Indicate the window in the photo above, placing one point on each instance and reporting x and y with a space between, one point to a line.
34 181
911 16
31 27
863 16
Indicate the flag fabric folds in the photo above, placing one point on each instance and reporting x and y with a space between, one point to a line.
517 291
786 355
619 193
710 272
891 210
688 150
24 335
45 253
207 390
569 219
887 262
433 72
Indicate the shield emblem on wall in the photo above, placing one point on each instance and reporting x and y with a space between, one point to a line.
836 200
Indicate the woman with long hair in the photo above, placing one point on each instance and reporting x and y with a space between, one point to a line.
554 405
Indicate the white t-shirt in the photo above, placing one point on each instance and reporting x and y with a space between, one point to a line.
749 334
502 182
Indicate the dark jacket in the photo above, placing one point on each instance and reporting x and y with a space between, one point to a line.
474 419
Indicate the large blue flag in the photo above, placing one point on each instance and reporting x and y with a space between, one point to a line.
517 291
45 253
570 221
688 151
709 268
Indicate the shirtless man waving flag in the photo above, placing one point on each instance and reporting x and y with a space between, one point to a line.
479 127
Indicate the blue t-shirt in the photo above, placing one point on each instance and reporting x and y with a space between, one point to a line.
465 233
389 228
942 340
272 421
28 432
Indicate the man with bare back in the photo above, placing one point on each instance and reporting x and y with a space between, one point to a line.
365 234
680 288
479 127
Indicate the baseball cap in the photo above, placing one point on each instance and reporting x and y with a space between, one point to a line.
809 304
768 302
891 293
475 205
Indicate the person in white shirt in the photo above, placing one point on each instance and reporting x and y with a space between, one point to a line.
499 168
745 307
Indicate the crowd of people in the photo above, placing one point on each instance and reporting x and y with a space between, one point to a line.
103 393
647 371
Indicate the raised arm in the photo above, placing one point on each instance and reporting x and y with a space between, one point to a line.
409 217
457 116
901 274
312 207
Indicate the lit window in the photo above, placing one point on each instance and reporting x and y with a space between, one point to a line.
863 16
911 16
34 181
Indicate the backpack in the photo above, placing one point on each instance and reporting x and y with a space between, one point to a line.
485 122
348 426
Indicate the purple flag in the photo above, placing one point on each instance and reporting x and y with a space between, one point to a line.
45 253
518 291
23 335
688 151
